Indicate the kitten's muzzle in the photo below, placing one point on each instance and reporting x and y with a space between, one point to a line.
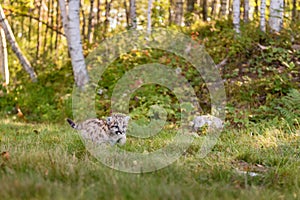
119 133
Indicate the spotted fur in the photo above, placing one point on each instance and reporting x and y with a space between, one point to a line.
110 130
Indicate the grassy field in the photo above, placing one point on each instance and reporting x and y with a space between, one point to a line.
49 161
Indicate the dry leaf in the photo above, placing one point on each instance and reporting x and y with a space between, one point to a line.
5 155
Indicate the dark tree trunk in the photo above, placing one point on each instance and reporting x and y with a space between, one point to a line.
46 31
127 13
83 21
90 22
170 12
51 24
294 10
39 30
204 10
189 12
223 9
213 5
98 11
256 8
57 21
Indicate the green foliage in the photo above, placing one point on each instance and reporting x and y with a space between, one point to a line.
255 78
289 107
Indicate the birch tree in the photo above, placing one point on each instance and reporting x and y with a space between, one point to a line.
15 47
179 12
276 15
262 22
71 24
246 11
3 57
236 15
149 21
133 21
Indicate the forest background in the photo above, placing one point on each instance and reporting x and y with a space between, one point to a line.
256 48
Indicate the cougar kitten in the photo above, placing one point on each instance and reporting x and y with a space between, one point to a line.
110 130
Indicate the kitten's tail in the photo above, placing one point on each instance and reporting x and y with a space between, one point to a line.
72 124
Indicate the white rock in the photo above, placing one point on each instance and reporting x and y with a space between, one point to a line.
210 120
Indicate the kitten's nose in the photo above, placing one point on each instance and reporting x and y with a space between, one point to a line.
119 133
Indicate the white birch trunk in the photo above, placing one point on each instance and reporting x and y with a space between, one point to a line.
133 21
262 22
149 21
246 11
276 15
236 15
15 47
77 58
179 12
71 25
3 57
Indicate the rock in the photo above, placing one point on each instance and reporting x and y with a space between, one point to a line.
210 120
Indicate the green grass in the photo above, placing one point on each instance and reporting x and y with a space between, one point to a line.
49 161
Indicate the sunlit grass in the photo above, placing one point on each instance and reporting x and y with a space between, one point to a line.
49 161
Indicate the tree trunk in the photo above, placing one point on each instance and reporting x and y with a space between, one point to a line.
236 15
30 24
127 13
3 57
276 14
262 22
71 25
15 47
149 21
294 10
213 7
52 24
246 11
256 8
38 44
46 31
190 7
179 12
170 12
83 19
57 21
90 22
133 20
223 8
229 2
98 11
204 10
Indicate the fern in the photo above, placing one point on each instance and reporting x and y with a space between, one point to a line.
290 107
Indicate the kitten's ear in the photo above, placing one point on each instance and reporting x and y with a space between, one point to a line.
108 120
127 118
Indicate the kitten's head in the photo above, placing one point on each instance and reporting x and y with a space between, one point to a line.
117 123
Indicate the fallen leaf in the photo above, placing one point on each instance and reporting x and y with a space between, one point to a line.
5 155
